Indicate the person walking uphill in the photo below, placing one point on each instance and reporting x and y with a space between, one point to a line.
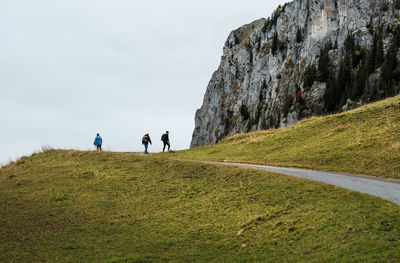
165 140
98 141
145 141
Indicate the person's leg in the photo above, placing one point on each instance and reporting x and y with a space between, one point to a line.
169 146
100 147
164 146
145 147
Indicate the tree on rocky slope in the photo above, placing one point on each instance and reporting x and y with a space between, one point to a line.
275 44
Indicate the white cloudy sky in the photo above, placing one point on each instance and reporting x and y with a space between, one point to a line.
72 68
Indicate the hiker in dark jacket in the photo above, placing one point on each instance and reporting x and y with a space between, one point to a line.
145 141
98 141
165 140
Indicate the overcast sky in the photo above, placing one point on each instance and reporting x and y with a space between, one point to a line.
72 68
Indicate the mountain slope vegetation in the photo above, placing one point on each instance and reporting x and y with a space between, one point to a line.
70 206
362 141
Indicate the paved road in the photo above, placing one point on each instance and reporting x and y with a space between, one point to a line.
386 189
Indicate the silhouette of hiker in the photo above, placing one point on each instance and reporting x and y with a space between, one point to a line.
98 141
145 141
165 140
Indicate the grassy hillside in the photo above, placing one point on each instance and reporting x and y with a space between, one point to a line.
362 141
69 206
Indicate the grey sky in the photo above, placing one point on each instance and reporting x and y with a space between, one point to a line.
72 68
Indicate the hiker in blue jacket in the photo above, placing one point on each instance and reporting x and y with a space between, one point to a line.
98 141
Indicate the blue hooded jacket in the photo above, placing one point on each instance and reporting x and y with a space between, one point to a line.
98 140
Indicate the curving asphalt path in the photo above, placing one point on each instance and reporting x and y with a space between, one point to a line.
384 188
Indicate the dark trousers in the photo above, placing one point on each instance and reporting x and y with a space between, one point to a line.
165 144
98 147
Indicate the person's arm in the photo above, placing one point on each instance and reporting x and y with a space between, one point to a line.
150 140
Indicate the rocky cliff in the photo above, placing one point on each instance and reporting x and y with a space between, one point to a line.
307 46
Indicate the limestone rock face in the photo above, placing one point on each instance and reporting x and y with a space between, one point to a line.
255 86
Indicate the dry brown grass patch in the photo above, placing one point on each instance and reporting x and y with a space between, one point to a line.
395 147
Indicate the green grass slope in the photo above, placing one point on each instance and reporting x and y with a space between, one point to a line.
362 141
70 206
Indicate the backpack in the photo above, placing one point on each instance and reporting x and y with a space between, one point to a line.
144 139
